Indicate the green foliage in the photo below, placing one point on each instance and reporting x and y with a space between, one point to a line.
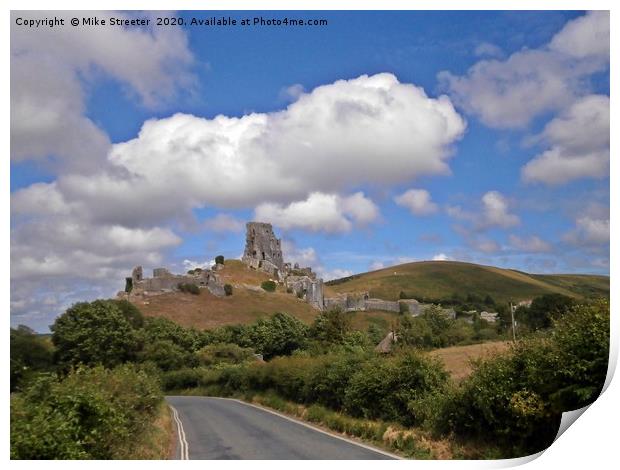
130 312
219 259
91 414
269 286
94 333
403 308
331 326
279 335
224 353
543 310
167 355
128 284
517 400
29 354
189 288
228 289
161 329
383 388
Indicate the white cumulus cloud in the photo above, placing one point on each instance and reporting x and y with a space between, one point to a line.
509 93
579 140
320 212
418 201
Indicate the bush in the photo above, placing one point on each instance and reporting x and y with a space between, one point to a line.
91 414
331 326
269 286
224 353
130 312
167 355
94 333
516 400
161 329
29 354
403 308
189 288
219 259
383 388
279 335
228 289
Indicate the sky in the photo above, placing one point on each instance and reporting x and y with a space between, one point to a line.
376 139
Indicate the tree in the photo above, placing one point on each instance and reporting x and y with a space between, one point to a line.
168 355
331 326
93 333
228 289
130 312
219 259
29 353
279 335
544 309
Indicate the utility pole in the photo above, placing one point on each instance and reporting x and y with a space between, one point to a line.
512 316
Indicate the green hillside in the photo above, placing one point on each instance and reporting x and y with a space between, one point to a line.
441 279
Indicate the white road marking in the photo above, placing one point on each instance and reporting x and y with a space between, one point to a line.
181 434
302 423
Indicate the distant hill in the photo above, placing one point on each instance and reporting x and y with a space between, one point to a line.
441 279
434 279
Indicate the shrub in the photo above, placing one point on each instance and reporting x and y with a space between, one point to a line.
277 336
130 312
189 288
93 333
182 379
269 286
331 326
403 308
167 355
516 400
91 414
228 289
383 388
159 329
29 354
219 259
224 353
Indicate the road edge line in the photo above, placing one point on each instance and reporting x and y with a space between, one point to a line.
314 428
180 434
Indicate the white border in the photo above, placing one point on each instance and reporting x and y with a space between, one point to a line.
591 443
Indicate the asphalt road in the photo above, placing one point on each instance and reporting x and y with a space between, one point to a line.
218 428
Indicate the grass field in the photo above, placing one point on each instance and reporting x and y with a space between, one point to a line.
441 279
458 359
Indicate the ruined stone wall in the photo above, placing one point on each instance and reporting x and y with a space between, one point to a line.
311 290
164 281
379 304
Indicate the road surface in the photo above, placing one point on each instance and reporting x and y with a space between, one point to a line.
220 428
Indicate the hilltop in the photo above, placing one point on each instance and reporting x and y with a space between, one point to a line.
442 279
430 279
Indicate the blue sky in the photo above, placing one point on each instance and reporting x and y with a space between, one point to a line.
474 136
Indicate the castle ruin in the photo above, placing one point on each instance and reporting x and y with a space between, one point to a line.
164 281
263 252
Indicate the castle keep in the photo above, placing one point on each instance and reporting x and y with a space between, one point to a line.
263 251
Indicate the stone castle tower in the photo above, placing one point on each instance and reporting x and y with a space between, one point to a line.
263 250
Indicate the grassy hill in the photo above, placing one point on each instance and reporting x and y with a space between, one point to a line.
247 304
434 279
441 279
